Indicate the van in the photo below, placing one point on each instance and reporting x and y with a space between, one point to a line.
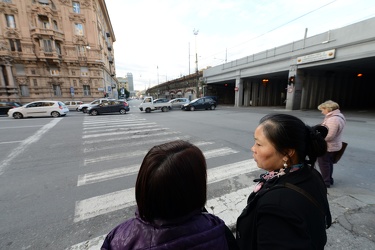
73 105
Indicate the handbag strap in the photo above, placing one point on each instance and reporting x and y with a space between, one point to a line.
306 194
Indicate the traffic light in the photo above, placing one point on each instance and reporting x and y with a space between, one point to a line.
291 80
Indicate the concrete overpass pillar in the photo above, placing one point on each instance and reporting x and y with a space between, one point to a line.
238 92
294 90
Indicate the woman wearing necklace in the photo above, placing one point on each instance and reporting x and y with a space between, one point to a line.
288 208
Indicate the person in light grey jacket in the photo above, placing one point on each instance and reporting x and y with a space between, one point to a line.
335 121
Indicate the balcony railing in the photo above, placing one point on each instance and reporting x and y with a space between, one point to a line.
56 34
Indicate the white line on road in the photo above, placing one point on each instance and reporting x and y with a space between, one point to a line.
107 175
152 142
88 130
114 157
34 138
34 126
118 129
208 154
9 142
127 137
92 207
122 133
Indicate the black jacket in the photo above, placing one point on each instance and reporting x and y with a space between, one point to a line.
277 217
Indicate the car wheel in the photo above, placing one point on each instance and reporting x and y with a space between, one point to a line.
84 110
192 108
93 112
122 111
164 109
148 110
55 114
213 107
77 109
17 115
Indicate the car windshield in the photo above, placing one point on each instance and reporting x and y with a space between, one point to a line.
195 100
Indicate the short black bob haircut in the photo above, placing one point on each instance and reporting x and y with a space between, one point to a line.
172 181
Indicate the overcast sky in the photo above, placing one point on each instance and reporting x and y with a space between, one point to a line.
155 39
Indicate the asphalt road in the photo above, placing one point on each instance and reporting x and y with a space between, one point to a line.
68 181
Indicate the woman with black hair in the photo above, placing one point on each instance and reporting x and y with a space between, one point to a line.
288 208
171 192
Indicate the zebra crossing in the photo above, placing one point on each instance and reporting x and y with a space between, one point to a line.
102 134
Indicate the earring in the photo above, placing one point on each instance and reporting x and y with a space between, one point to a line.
285 165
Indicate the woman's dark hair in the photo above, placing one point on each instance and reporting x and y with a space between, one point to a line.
172 181
289 132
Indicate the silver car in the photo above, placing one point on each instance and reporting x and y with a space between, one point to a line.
179 102
38 109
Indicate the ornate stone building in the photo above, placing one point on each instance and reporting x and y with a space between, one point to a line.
56 50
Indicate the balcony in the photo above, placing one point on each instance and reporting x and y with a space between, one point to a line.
36 32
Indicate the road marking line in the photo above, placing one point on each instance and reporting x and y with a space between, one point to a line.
208 154
127 137
120 129
122 133
9 142
100 128
219 152
114 157
102 204
24 144
155 141
35 126
107 175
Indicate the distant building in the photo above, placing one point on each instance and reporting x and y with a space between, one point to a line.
57 50
129 77
122 84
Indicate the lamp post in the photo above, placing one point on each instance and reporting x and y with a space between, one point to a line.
195 32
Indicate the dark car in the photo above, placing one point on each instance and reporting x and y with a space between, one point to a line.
200 103
109 106
213 98
5 106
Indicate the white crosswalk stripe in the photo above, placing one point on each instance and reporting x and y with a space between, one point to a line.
99 135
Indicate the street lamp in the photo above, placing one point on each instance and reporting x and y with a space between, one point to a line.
196 54
195 32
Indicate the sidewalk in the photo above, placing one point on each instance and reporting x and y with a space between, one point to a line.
353 221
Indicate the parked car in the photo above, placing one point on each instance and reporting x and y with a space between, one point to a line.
179 102
161 100
83 107
200 103
5 106
73 105
39 108
109 106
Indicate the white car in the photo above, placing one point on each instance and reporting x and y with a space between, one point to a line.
38 109
179 102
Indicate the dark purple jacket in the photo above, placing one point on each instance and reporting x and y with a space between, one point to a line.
199 231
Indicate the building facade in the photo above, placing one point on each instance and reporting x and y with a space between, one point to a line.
56 49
